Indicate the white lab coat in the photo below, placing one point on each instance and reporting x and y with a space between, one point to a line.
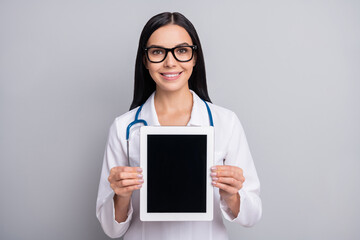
230 144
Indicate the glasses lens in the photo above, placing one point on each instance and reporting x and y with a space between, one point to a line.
156 54
183 53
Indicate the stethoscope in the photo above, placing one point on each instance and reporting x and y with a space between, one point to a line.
137 120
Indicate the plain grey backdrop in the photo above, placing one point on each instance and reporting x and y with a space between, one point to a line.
289 69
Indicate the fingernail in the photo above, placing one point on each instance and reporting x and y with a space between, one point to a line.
139 175
213 174
139 186
141 180
213 169
213 183
139 170
215 179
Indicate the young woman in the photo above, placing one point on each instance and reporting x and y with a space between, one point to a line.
170 83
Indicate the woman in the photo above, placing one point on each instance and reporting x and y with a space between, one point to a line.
170 83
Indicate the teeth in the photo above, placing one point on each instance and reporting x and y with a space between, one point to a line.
171 75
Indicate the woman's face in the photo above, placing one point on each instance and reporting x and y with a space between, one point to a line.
170 75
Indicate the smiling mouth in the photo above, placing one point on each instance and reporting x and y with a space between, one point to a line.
171 75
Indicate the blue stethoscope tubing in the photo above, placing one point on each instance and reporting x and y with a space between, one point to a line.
137 120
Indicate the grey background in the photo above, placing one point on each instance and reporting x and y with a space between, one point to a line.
289 69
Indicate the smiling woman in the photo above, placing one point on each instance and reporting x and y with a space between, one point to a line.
170 74
170 90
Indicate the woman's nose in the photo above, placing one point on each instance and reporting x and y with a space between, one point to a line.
170 60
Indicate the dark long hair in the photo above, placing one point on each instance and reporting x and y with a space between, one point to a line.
144 85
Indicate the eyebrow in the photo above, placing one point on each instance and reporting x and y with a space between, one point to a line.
178 45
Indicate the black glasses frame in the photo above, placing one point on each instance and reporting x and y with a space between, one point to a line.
193 47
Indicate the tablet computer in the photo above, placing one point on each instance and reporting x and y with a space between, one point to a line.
176 164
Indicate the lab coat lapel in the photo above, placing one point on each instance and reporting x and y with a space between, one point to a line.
148 112
199 115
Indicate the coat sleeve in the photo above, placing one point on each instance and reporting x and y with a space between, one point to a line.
105 211
238 154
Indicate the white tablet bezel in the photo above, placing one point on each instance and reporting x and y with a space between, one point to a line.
178 130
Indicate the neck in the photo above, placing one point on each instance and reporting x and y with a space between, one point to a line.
168 102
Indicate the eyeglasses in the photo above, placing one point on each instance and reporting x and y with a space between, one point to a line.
181 53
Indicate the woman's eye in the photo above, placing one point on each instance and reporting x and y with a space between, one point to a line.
182 50
156 52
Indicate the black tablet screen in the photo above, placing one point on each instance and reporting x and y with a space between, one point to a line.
176 173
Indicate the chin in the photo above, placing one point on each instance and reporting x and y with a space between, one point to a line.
168 87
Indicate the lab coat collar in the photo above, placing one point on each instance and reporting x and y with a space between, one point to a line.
198 112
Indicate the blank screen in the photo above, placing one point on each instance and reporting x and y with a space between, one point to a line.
176 172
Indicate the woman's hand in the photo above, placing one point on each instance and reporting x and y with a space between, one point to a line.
124 180
229 180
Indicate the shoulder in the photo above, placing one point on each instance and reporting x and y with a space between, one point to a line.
121 122
126 117
219 109
225 118
222 113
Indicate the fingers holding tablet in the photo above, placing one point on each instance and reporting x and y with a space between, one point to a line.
124 180
227 178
